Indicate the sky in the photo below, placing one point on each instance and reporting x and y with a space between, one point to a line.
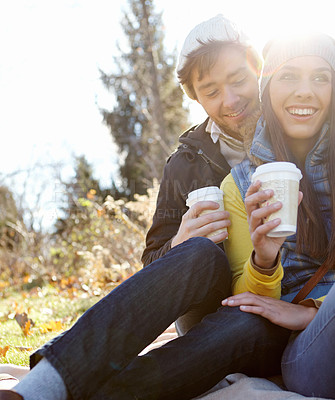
50 91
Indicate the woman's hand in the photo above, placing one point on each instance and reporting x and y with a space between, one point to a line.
288 315
266 248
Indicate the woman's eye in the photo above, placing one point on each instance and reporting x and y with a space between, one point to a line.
287 76
321 78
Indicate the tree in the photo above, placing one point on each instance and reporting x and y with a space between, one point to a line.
148 115
83 185
12 227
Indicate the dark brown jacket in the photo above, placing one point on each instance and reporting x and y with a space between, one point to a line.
196 163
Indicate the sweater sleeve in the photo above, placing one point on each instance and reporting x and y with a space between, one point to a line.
239 248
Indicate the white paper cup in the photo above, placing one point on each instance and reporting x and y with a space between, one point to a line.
209 193
283 178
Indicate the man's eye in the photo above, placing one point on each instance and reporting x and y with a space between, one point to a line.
213 93
240 81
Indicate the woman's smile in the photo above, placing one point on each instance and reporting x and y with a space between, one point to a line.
301 111
300 93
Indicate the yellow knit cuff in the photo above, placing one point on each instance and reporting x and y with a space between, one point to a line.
266 285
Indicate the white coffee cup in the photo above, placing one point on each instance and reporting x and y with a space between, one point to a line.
208 193
283 178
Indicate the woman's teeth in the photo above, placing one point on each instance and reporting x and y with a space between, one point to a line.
301 111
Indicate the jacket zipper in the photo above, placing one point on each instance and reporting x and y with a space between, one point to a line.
210 161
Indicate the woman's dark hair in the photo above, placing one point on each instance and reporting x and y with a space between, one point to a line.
311 234
205 57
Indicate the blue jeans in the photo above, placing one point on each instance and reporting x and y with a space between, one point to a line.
98 357
308 361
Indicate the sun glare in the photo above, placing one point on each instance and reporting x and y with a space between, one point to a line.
265 19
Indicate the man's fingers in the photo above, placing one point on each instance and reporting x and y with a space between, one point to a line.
201 206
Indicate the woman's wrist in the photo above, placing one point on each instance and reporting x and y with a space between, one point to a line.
267 268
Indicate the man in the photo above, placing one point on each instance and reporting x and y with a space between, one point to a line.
219 69
98 357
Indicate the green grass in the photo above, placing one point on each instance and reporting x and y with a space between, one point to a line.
42 306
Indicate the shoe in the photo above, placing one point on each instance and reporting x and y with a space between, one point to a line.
10 395
7 381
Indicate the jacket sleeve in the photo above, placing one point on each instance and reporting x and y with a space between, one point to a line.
170 208
239 248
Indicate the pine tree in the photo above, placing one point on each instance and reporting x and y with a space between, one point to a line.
84 180
148 115
83 185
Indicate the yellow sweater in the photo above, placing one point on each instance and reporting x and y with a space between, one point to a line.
239 247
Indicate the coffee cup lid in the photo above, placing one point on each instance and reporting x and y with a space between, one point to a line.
278 167
204 191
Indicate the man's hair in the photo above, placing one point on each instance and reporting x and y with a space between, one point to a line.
204 58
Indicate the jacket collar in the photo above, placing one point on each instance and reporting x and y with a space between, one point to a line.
262 146
198 138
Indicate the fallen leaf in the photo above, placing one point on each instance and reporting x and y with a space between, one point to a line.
25 323
21 348
52 326
3 351
26 330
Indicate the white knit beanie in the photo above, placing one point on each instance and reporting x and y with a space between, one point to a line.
217 28
279 51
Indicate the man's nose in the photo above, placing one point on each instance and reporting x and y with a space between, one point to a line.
230 98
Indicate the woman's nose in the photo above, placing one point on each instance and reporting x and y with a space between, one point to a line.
304 88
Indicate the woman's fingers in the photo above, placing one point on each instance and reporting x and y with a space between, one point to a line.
250 299
282 313
264 306
258 216
255 197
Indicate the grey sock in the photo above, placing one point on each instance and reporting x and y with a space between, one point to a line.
43 382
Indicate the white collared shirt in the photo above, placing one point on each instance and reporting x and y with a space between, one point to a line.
232 149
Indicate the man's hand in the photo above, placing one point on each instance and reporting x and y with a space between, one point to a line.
194 224
282 313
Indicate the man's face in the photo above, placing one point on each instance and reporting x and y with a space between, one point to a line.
229 92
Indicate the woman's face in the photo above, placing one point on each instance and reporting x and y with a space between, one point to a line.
300 93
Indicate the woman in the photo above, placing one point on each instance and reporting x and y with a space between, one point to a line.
298 95
97 358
